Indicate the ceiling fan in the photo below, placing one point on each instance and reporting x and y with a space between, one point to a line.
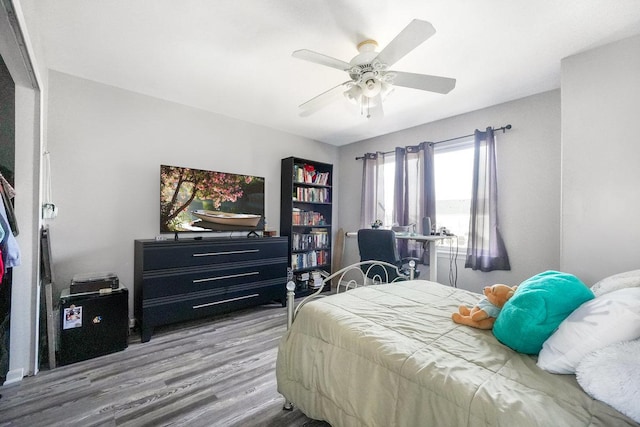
370 77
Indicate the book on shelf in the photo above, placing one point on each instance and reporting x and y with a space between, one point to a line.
307 174
308 241
314 195
309 259
316 280
301 217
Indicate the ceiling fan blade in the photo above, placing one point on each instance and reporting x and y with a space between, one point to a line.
424 82
322 100
319 58
408 39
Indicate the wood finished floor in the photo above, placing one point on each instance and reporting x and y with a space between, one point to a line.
218 372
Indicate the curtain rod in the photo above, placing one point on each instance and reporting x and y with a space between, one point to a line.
503 129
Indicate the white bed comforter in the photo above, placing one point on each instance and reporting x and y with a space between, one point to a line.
389 355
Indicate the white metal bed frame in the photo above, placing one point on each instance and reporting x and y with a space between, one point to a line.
349 277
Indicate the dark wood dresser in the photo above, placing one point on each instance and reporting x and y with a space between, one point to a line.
177 280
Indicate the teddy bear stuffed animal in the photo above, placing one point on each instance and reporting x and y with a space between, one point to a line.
484 313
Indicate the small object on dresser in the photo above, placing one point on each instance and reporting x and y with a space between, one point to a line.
93 282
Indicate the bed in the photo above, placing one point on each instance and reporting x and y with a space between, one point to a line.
390 355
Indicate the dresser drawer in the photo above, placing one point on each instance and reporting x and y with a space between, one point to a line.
164 256
203 303
185 280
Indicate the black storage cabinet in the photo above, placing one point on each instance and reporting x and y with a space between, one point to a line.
93 324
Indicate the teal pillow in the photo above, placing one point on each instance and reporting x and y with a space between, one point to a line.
537 308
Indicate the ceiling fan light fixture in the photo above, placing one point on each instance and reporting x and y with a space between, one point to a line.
354 94
371 102
386 89
388 77
370 85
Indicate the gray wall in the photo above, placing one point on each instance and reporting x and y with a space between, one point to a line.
528 175
107 146
600 160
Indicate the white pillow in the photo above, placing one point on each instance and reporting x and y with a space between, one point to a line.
612 375
604 320
628 279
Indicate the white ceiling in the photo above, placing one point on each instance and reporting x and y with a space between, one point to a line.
233 57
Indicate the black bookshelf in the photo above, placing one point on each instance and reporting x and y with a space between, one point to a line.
305 218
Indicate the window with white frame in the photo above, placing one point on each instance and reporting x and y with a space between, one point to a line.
453 176
389 175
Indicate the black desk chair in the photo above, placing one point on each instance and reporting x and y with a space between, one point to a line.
381 245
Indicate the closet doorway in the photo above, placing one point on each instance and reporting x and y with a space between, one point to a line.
17 52
7 169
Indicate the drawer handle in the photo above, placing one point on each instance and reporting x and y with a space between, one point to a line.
229 276
248 251
225 301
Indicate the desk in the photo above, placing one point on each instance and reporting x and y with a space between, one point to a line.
433 258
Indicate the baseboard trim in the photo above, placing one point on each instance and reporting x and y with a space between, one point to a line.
14 376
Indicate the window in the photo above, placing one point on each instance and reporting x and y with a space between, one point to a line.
453 175
389 174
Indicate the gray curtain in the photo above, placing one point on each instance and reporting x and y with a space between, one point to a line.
400 205
414 190
372 200
485 250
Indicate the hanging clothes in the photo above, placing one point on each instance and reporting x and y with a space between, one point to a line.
8 243
7 192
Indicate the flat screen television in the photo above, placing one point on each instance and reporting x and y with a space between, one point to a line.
196 200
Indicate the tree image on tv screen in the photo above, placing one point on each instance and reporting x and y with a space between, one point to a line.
184 190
